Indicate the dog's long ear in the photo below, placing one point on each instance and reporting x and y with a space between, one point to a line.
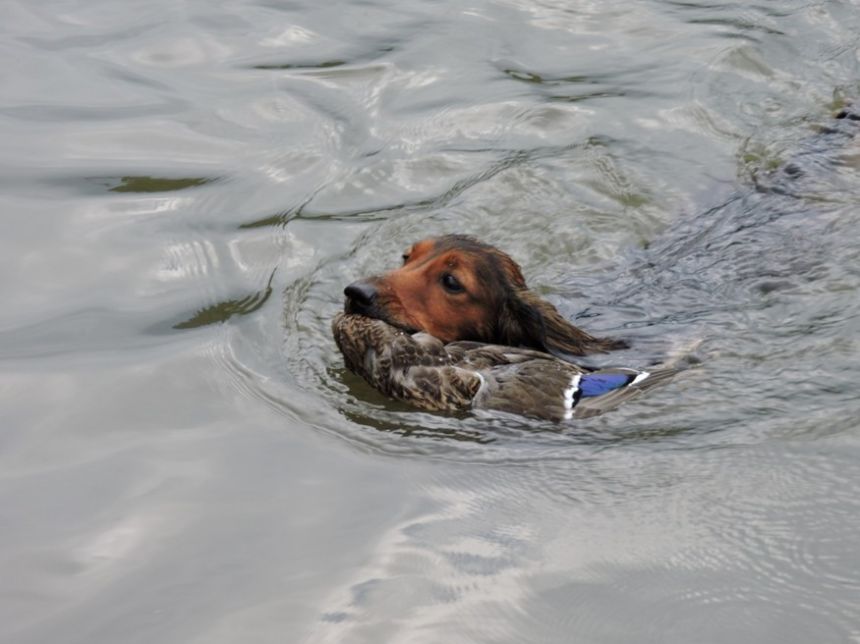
529 321
520 324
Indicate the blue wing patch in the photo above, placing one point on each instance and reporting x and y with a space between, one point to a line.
597 384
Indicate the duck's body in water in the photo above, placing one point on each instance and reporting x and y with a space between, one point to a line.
459 376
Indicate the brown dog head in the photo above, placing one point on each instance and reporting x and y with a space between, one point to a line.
457 288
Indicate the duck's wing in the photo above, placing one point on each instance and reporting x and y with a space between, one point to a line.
556 390
536 384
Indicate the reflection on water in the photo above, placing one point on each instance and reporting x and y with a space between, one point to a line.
223 311
155 184
186 190
323 65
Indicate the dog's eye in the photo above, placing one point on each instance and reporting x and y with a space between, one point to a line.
451 283
405 257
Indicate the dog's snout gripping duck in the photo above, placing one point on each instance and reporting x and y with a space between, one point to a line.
456 328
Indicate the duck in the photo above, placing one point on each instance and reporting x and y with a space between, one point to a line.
464 376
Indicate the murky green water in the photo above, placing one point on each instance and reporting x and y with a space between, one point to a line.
187 187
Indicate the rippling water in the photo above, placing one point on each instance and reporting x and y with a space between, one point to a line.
186 189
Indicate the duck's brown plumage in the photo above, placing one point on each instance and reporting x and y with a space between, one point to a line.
423 371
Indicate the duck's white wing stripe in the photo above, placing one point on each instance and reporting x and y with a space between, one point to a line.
569 394
640 378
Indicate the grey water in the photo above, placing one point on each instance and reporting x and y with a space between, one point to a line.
187 186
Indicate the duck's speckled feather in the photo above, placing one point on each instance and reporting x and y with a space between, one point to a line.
421 370
412 368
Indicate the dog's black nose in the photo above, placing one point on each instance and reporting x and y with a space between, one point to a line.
362 293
